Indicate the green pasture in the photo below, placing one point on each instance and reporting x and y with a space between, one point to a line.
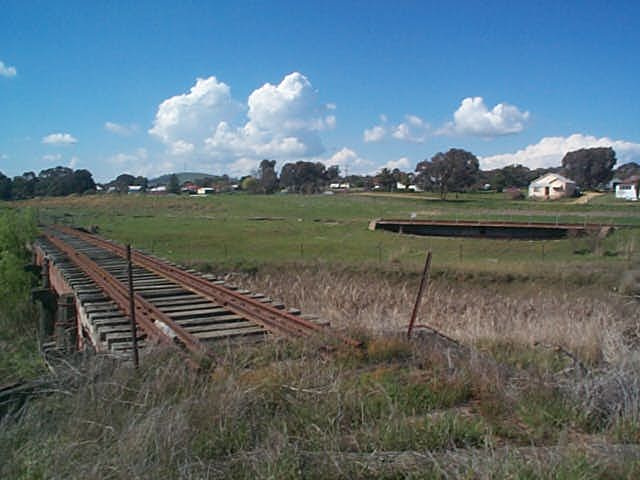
238 231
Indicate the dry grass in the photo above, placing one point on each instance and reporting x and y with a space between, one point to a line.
592 323
424 409
283 410
547 331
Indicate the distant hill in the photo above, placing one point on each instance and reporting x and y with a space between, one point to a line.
182 177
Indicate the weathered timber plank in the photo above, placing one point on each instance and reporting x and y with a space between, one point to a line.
111 322
155 294
178 299
209 320
187 307
103 331
104 315
117 337
220 327
215 310
231 333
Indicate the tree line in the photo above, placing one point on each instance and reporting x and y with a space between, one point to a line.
51 182
456 170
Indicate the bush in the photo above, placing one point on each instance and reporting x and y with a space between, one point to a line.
18 345
630 282
513 193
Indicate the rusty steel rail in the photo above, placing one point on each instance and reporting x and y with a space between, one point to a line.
271 318
147 314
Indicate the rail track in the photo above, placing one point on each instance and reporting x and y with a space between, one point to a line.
172 305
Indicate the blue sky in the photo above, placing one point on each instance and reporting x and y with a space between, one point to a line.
155 87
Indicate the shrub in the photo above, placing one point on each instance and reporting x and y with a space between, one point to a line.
513 193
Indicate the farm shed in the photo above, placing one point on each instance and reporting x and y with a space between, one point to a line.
551 186
628 189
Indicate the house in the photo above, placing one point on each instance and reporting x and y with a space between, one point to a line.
159 190
206 191
402 187
628 189
551 187
190 188
135 189
611 186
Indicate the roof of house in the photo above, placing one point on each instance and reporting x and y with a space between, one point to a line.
550 178
633 179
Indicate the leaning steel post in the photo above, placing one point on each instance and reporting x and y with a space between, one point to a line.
423 283
132 311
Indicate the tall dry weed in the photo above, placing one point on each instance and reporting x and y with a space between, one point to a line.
593 325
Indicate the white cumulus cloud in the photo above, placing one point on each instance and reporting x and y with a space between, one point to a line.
401 163
549 151
413 129
138 162
122 159
474 118
7 71
289 107
59 139
374 134
281 121
347 160
120 129
188 118
180 147
242 166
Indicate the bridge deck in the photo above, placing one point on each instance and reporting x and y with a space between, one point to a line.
106 325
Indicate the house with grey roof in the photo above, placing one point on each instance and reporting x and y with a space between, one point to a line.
551 187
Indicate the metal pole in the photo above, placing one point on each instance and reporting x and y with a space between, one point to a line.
132 310
423 284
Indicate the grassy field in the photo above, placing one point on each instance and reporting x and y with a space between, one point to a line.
538 378
248 232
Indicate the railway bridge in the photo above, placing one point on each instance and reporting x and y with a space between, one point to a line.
96 294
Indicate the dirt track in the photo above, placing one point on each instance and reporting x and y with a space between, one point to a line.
587 197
